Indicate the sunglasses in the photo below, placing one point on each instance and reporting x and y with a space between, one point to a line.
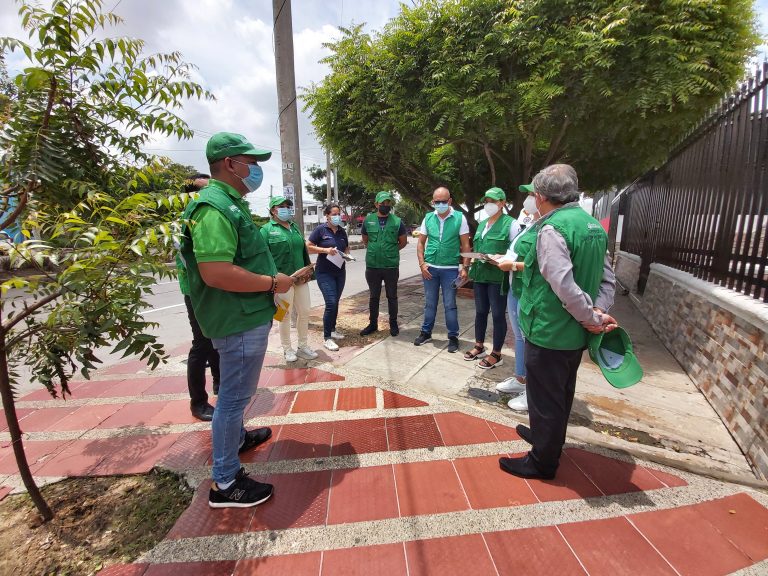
436 202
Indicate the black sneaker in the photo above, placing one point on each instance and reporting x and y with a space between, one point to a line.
370 329
422 338
242 493
453 344
255 437
394 329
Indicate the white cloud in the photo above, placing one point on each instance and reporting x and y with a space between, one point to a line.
231 43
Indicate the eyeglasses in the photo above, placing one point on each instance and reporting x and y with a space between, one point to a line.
245 163
438 202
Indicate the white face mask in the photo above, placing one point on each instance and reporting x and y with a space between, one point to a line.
529 205
491 209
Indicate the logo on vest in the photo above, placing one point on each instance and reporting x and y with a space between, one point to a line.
234 208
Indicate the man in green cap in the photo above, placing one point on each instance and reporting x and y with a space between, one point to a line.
232 282
287 246
384 235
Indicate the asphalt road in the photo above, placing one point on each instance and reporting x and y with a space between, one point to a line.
166 305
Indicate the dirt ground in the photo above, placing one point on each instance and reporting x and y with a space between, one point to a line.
97 522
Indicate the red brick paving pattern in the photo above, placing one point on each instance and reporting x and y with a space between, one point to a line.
613 546
715 537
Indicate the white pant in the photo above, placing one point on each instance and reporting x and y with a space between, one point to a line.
298 298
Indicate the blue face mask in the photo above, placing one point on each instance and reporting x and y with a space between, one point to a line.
442 208
254 178
284 213
336 219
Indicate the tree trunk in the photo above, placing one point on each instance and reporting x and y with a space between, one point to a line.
15 432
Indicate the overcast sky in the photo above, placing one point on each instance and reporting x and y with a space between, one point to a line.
231 43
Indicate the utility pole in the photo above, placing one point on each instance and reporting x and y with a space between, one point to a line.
327 177
336 184
286 103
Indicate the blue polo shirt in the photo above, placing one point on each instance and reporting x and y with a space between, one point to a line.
324 237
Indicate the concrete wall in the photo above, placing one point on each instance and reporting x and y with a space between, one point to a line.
627 269
719 338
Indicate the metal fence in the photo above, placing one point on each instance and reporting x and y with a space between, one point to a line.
706 210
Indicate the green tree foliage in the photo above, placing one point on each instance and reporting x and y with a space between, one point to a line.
355 198
475 93
104 228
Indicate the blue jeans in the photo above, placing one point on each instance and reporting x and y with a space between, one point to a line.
331 286
441 278
240 358
513 309
488 298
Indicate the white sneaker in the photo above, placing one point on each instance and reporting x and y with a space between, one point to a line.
519 404
510 386
305 353
337 335
290 355
331 345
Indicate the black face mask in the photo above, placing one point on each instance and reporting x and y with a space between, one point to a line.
384 209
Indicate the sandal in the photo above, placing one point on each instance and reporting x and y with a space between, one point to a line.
485 365
476 353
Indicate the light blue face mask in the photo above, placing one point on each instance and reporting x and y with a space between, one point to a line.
284 213
336 219
442 208
254 178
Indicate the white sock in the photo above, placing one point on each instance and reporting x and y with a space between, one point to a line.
225 485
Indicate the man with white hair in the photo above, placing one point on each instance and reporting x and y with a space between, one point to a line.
568 285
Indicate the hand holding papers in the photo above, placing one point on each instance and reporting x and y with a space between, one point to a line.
337 258
303 275
487 258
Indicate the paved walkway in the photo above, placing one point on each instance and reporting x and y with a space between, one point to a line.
382 474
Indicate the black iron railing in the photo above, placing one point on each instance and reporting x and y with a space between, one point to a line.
706 210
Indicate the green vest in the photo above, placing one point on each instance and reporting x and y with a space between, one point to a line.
543 319
182 275
525 243
496 241
286 246
221 313
383 250
443 251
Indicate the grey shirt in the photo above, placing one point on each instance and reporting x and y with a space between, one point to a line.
557 269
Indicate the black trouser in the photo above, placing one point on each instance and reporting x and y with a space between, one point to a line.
374 277
201 353
550 386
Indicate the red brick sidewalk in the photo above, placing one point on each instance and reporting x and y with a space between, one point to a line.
369 480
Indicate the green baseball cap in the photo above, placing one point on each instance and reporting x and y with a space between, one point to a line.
527 188
384 195
277 200
612 352
226 144
495 194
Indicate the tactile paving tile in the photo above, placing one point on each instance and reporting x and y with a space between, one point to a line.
300 500
220 568
359 436
268 403
124 570
297 441
191 450
411 432
394 400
